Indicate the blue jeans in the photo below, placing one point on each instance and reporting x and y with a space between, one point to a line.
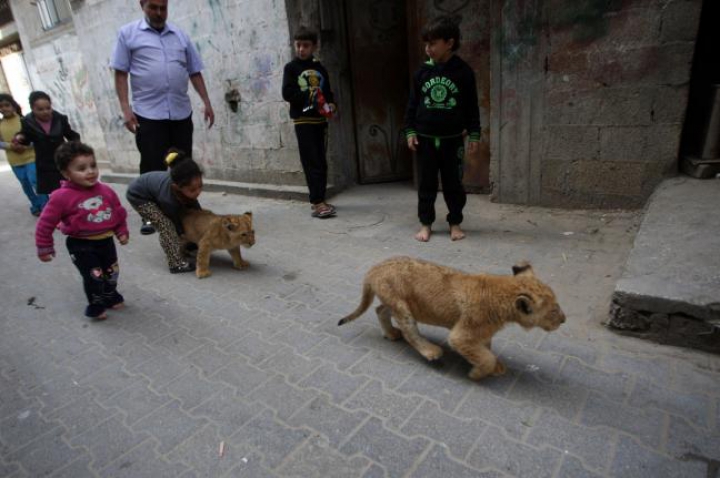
28 179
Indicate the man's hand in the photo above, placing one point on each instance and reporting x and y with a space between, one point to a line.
473 147
412 143
131 122
46 257
123 239
209 115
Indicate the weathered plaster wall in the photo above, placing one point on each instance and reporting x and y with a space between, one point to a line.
590 99
56 66
244 46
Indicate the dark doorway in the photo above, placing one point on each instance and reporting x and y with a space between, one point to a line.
378 53
700 146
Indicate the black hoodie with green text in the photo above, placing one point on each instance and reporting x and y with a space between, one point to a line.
443 101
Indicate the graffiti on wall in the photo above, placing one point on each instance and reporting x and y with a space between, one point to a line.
522 23
587 18
69 87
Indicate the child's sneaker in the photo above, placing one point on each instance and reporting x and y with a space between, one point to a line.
184 267
147 228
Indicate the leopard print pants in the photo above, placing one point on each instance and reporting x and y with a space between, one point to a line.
169 239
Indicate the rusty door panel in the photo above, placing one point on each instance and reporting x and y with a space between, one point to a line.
379 63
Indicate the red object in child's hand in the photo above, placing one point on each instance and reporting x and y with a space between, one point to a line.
323 106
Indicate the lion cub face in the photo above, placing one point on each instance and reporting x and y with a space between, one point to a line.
239 229
536 305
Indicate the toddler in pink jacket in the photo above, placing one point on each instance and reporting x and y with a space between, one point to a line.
90 214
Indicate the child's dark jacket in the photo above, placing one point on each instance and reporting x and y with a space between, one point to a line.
300 78
443 101
48 176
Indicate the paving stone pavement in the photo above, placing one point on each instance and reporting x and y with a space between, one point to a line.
253 360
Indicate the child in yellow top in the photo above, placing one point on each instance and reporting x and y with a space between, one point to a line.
21 158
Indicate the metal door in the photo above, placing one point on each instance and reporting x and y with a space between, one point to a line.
379 63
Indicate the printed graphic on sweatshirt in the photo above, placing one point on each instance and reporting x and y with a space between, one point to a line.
313 81
310 80
439 93
98 211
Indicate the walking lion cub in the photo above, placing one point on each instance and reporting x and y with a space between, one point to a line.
473 307
212 232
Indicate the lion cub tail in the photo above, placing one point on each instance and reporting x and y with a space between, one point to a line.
367 299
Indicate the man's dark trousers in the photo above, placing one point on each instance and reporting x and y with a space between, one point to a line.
155 137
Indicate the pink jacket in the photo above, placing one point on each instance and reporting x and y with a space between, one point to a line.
81 212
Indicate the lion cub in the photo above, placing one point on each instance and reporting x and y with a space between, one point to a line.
473 307
212 232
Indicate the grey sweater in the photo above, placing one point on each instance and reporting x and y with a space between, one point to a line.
155 187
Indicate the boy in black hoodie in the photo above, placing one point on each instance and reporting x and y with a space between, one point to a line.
306 86
443 107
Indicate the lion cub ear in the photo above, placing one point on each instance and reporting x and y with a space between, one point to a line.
248 213
523 268
524 304
227 224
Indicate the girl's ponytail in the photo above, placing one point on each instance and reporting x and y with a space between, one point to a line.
183 169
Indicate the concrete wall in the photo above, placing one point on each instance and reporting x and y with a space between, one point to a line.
590 98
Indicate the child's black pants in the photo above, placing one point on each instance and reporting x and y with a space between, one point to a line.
98 265
446 157
312 142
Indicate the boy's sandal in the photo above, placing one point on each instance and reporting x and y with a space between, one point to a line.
322 211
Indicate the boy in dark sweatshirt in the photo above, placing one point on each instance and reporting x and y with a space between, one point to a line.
443 107
306 86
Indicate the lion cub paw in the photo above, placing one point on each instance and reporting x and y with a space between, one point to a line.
478 373
202 274
241 265
432 353
500 368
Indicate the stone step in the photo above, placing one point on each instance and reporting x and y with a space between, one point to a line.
670 289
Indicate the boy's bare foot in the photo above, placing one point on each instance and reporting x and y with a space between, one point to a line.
456 234
423 235
119 306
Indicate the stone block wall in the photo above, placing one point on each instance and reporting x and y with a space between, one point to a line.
616 91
